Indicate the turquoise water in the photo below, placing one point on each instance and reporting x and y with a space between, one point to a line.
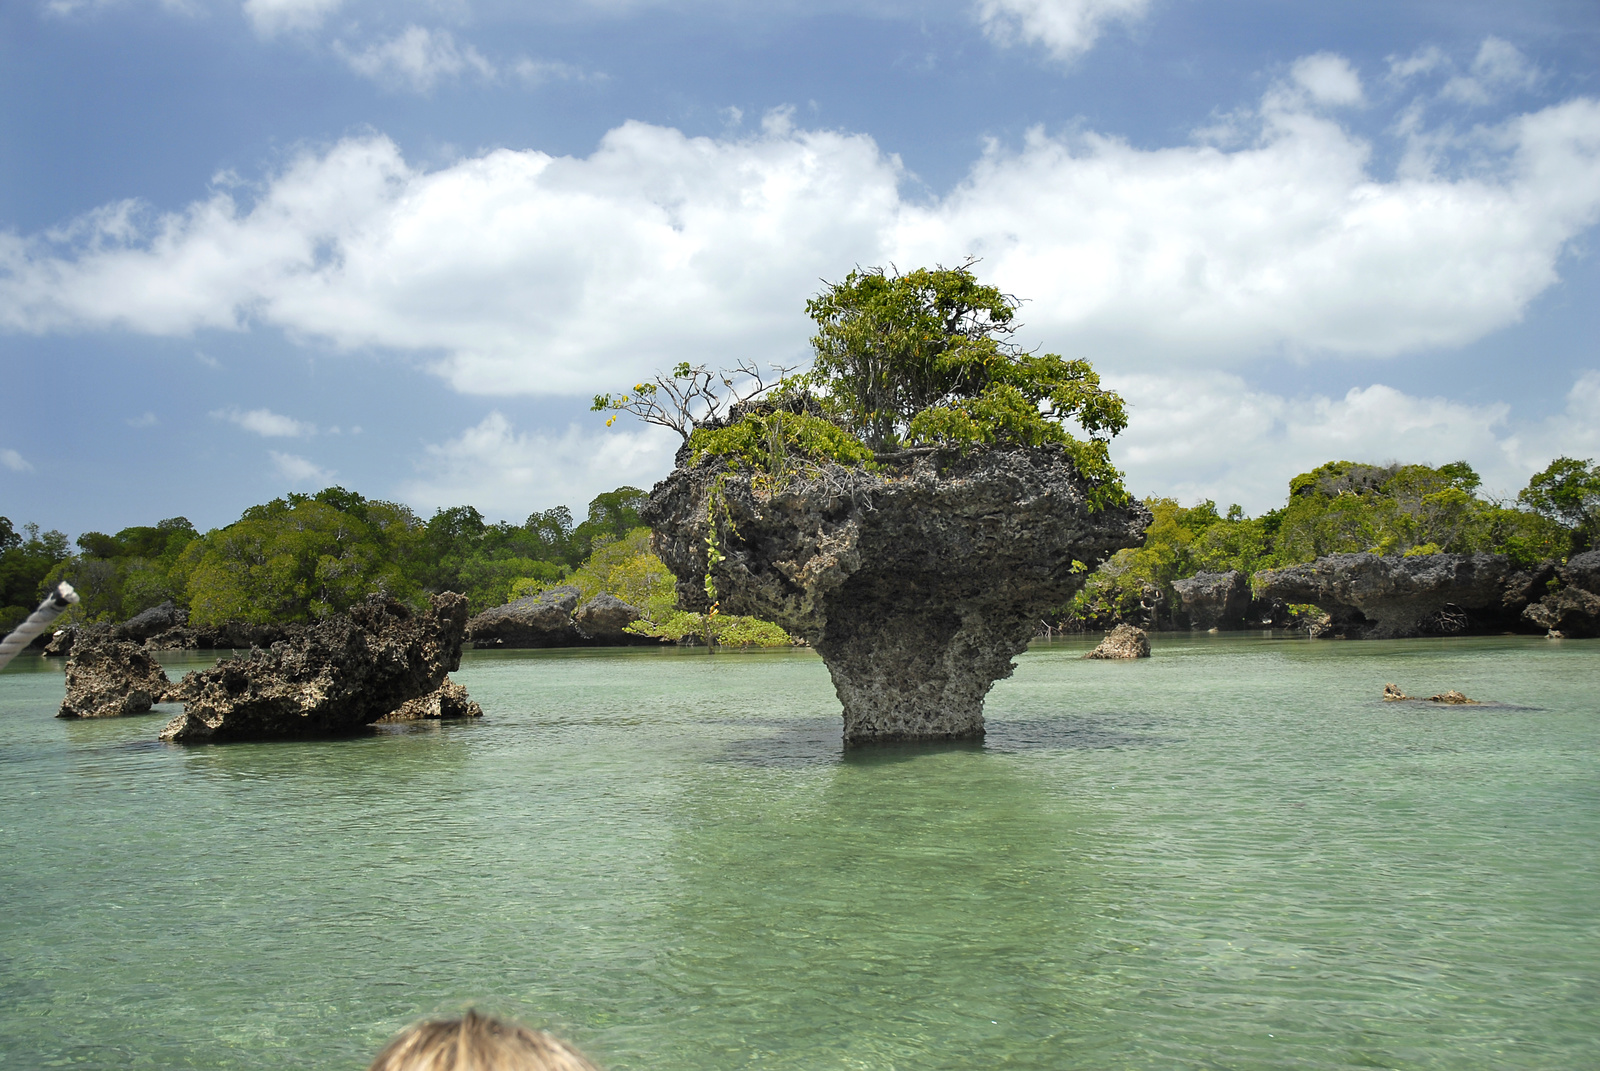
1231 855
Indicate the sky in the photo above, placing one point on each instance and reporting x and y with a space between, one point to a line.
249 247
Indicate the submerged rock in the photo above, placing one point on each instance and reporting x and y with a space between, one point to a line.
1124 641
109 677
1215 600
449 700
917 585
331 678
1392 693
1381 597
1451 698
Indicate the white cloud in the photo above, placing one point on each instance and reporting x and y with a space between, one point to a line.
1066 28
1423 61
1574 432
417 59
266 423
297 470
1497 69
1210 435
536 72
1328 78
519 272
146 419
14 461
511 474
271 17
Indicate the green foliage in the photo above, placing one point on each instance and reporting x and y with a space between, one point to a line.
627 569
900 361
772 442
25 566
1567 492
1339 507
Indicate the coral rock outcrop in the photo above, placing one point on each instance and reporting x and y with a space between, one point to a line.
449 700
1215 600
108 677
1575 609
553 618
917 584
1124 641
330 678
1380 597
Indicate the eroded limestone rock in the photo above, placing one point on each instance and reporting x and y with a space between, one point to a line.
1215 600
1124 641
331 678
542 620
917 585
1380 597
449 700
108 677
604 621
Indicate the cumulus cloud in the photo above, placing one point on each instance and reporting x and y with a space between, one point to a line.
1328 78
1066 28
1211 435
14 461
272 17
1498 68
520 272
299 471
266 423
511 474
418 59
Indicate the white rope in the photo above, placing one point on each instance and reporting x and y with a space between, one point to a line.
37 622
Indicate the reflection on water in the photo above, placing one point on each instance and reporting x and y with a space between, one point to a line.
1233 854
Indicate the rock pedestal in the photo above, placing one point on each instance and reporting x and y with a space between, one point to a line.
916 584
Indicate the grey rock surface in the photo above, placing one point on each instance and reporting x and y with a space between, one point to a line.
108 677
449 700
1380 597
917 584
229 635
542 620
1215 600
153 621
331 678
1124 641
604 620
1582 571
1571 611
59 645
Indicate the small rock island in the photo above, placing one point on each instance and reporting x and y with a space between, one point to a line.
910 507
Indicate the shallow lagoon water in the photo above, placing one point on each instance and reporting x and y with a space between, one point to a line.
1231 855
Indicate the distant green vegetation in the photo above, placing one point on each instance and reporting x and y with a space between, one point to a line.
306 556
1343 507
629 570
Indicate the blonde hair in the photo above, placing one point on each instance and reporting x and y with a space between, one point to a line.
478 1043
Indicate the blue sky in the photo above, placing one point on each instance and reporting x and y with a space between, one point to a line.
254 246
